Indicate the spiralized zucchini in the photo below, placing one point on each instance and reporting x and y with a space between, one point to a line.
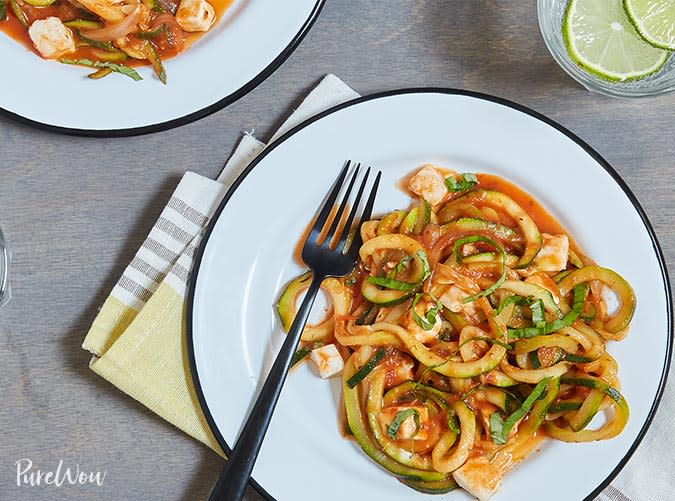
472 328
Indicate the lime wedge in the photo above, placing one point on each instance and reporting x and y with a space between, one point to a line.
654 20
601 39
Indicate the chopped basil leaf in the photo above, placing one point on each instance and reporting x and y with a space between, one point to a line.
557 324
118 68
390 283
399 267
401 416
458 255
497 428
509 422
465 182
430 317
517 300
537 309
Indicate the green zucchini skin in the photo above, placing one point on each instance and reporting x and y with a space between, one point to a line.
359 428
437 487
287 299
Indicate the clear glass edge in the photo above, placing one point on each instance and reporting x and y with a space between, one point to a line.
578 74
5 293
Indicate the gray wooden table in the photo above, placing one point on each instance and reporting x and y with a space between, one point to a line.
75 210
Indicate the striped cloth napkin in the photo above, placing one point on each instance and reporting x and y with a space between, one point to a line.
138 338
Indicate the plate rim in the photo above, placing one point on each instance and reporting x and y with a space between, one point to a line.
447 91
190 117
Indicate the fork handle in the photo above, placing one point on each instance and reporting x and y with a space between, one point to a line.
233 479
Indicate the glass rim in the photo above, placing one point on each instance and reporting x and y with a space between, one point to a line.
4 268
590 82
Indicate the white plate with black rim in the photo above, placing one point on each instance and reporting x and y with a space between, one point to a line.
246 258
250 41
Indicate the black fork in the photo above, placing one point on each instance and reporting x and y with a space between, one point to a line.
328 252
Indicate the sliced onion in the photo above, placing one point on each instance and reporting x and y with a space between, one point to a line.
117 30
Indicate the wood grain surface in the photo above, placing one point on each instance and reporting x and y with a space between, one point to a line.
75 210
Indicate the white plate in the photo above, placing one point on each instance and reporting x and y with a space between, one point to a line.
246 258
250 41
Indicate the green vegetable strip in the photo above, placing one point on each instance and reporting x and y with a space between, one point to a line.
146 35
427 323
3 10
155 61
19 13
479 238
497 429
367 368
556 325
303 352
401 416
400 266
537 309
453 421
390 283
118 68
95 43
510 421
517 300
577 359
368 316
86 24
103 72
564 407
465 182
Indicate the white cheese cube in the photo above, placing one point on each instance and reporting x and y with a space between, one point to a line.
328 360
408 429
553 254
195 15
51 37
429 183
478 477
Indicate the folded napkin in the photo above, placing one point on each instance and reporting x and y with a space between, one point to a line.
138 338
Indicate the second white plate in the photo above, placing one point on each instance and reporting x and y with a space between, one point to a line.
250 41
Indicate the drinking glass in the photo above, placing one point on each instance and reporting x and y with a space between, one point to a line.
4 271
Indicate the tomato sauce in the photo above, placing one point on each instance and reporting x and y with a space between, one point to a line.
67 12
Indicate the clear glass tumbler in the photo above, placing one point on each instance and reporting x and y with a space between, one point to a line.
4 271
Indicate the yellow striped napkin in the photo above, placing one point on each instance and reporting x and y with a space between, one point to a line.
138 338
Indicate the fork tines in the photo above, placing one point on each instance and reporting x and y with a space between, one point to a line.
335 226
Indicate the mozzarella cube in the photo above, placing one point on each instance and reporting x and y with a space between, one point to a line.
328 360
478 477
195 15
553 254
408 429
51 37
429 184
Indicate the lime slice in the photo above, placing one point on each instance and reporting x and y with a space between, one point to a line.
654 20
601 39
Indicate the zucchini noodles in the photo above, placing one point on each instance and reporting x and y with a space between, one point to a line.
109 36
471 328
